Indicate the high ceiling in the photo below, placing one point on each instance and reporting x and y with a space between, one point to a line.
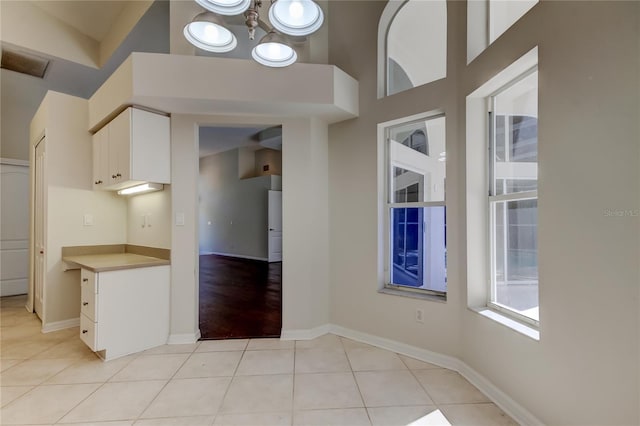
150 34
92 18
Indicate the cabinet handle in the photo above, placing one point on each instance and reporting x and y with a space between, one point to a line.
85 331
113 176
118 175
85 303
98 182
84 280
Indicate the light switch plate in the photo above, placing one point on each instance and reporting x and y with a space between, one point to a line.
179 219
87 220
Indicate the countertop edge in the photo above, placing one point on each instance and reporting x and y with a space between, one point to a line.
151 262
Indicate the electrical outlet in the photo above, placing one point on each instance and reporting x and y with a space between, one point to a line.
420 316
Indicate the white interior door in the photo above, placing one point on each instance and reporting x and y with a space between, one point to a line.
39 227
275 226
14 228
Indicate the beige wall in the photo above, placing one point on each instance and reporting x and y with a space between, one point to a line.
156 231
353 194
233 217
305 220
20 96
271 158
584 369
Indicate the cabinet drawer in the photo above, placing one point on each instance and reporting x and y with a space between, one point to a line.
89 301
89 332
90 279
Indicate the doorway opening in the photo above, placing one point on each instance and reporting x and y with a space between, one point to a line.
240 232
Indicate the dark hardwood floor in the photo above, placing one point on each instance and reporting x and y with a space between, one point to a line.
239 298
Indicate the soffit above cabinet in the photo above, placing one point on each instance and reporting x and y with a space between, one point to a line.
204 86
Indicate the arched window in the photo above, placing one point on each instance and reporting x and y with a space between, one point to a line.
412 45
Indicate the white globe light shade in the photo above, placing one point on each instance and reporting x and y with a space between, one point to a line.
272 51
225 7
296 17
207 33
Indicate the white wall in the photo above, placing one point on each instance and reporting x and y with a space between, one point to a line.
233 212
584 369
70 196
156 231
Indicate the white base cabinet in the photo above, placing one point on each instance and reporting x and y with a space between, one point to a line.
124 311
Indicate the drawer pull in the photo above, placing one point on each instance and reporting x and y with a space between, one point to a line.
84 280
85 331
85 303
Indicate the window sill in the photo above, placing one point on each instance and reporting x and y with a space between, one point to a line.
413 295
519 327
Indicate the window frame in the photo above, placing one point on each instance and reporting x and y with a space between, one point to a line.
493 199
387 205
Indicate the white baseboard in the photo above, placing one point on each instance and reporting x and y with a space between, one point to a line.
182 339
60 325
240 256
501 399
306 334
440 360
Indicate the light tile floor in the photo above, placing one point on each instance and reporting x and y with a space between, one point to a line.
54 379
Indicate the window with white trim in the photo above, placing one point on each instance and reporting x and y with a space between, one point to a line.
513 198
415 216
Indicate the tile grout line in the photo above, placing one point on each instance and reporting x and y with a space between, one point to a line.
165 385
91 393
42 383
353 374
233 376
421 385
72 408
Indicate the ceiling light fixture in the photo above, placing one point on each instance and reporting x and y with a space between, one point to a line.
207 32
290 17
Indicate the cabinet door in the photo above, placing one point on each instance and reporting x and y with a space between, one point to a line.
119 148
100 145
89 333
150 147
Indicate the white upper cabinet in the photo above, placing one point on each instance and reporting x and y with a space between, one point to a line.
133 148
101 158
